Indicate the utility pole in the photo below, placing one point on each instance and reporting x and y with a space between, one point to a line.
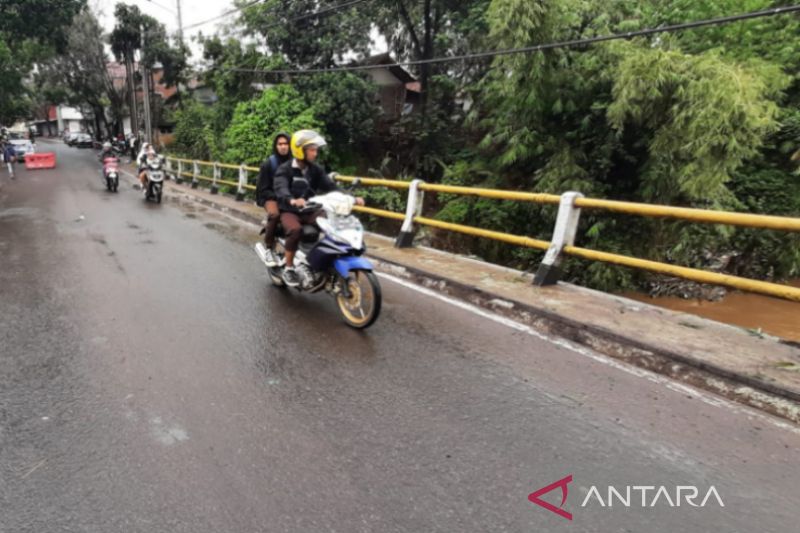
148 131
129 72
180 22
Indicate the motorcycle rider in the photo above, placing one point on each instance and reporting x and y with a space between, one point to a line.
147 154
265 193
296 181
107 151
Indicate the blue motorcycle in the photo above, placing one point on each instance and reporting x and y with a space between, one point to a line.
330 258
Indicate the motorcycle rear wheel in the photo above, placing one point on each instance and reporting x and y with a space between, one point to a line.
362 308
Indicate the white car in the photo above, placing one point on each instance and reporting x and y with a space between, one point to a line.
22 147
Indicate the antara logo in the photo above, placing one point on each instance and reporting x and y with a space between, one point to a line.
629 496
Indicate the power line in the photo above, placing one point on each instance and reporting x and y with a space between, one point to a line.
320 13
539 47
222 15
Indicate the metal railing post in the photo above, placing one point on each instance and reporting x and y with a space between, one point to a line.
214 188
242 182
195 174
179 175
413 209
563 235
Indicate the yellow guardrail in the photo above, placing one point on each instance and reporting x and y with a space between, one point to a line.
681 213
375 182
489 234
379 212
539 198
704 216
701 276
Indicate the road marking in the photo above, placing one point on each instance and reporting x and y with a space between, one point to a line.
680 388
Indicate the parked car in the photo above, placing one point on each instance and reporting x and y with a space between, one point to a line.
22 147
70 138
84 140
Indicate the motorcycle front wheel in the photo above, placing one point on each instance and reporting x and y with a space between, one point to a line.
362 305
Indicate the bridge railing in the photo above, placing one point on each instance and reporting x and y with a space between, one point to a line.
565 228
234 176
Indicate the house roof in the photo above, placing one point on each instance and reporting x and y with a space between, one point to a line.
386 59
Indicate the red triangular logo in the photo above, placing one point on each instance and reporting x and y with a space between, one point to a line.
534 497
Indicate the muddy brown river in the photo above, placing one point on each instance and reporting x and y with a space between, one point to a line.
772 315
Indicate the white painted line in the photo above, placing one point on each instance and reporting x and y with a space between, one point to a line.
680 388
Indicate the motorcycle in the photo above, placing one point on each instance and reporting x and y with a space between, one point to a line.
155 179
330 258
111 172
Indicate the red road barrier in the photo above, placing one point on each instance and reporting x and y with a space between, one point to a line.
43 160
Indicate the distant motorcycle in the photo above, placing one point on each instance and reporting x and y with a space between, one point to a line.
111 172
330 259
155 179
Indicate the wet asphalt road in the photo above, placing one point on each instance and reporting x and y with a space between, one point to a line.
152 381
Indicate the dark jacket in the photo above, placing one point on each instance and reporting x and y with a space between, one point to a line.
265 187
292 183
9 152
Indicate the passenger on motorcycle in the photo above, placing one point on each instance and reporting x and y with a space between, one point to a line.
265 193
148 153
295 182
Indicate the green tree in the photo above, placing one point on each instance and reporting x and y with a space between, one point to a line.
194 136
41 22
30 31
345 103
644 120
131 29
318 41
255 123
81 69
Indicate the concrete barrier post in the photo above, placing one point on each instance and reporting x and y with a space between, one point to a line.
563 235
179 175
413 209
242 182
195 174
214 187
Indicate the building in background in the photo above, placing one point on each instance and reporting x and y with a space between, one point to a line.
71 119
398 89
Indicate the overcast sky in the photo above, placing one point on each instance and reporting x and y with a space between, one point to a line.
193 11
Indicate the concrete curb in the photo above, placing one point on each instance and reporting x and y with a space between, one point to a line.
741 388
